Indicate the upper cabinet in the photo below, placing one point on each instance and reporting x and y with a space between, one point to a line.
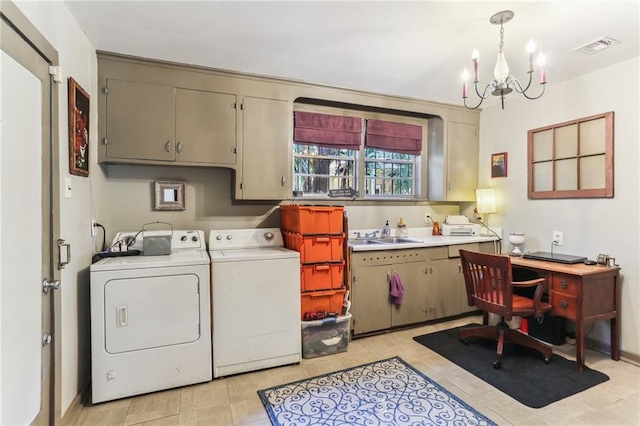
161 113
462 161
155 122
267 127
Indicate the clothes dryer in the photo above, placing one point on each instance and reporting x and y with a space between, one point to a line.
150 318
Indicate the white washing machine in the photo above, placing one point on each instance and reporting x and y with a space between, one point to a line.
150 318
256 301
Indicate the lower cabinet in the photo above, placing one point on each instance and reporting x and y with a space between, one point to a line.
432 279
372 307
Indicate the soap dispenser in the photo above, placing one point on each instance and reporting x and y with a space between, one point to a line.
386 230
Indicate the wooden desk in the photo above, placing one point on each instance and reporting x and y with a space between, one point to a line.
583 294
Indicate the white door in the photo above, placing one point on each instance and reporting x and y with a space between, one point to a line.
26 232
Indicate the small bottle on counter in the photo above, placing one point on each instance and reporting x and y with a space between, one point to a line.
402 230
386 230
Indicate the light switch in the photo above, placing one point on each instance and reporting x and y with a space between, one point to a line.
67 187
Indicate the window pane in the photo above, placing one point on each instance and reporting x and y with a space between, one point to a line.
543 145
592 137
567 141
592 172
542 177
566 175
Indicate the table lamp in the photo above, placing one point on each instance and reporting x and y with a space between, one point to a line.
486 203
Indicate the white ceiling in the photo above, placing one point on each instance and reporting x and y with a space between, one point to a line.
416 49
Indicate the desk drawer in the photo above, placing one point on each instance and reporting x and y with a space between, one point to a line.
565 284
564 305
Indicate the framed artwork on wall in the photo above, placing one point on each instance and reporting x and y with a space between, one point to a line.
78 129
499 165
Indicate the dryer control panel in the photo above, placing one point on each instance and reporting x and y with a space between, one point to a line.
180 239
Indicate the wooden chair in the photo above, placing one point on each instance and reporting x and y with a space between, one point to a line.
489 283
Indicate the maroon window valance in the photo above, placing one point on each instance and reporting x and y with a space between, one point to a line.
333 131
396 137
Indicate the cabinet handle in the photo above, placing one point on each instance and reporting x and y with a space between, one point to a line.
167 147
282 181
563 284
388 276
459 268
179 147
563 304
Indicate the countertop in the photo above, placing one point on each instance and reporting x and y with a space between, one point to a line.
425 238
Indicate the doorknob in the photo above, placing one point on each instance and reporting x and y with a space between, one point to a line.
46 285
46 339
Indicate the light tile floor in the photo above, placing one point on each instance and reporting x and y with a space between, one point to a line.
234 400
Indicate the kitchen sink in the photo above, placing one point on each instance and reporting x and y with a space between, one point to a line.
394 240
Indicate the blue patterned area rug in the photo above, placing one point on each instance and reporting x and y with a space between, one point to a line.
387 392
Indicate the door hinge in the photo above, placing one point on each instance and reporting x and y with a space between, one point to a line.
105 141
241 185
105 90
56 73
234 150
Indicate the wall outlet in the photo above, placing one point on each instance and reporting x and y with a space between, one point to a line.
558 237
426 218
93 228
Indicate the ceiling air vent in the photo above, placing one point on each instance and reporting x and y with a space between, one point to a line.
596 45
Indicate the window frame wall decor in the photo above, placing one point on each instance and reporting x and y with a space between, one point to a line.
573 159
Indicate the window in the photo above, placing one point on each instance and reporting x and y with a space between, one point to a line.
572 159
329 156
389 173
318 169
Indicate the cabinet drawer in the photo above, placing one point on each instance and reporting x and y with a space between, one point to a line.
564 305
565 284
454 251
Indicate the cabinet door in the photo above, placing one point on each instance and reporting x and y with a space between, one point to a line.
205 127
140 121
447 288
462 161
370 306
416 291
267 133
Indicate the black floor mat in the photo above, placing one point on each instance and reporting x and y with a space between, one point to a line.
524 376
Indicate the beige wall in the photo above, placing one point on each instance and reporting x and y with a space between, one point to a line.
590 226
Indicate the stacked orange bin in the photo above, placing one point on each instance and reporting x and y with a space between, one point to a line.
316 232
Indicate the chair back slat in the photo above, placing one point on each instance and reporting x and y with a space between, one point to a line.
487 279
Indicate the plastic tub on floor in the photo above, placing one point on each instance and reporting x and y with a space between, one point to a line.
325 337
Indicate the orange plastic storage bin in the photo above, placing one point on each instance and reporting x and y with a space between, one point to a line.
315 248
311 219
321 276
315 301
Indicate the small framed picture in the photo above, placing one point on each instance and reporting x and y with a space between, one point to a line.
499 165
78 129
169 195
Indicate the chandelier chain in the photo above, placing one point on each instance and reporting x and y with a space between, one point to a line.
501 36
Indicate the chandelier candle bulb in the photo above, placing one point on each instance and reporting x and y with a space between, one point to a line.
541 61
475 57
531 48
465 77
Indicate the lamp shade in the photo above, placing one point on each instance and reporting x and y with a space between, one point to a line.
486 200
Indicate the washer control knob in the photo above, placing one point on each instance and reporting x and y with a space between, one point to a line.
183 238
268 236
218 237
229 237
194 238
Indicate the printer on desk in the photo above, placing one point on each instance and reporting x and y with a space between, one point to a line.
459 226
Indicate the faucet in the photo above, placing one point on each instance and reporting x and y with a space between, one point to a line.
371 234
358 235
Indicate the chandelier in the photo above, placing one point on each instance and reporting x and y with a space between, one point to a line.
503 83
